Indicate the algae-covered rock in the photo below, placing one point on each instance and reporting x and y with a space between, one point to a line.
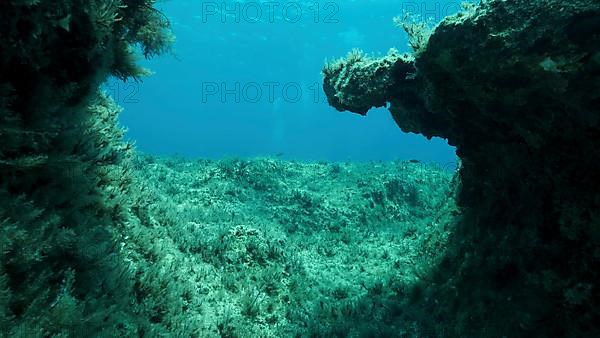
515 86
65 189
272 248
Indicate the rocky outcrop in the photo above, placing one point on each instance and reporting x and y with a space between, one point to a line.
515 86
64 170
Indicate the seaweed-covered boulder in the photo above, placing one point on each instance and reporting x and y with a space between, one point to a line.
515 86
64 174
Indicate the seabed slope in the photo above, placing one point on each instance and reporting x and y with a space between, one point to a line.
266 247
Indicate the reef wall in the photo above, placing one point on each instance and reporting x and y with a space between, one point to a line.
515 86
64 170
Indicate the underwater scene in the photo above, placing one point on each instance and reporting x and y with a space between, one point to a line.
375 168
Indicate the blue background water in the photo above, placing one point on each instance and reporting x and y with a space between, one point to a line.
245 81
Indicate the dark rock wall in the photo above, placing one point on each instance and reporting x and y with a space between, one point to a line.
64 170
515 86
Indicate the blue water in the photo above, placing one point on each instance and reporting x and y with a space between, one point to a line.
244 81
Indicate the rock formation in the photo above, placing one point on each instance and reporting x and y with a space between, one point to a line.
515 87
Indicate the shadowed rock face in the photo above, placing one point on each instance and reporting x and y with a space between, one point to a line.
515 86
65 172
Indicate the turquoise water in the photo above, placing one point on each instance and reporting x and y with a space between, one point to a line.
244 81
247 207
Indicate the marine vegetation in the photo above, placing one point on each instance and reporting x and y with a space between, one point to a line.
97 239
65 185
514 85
